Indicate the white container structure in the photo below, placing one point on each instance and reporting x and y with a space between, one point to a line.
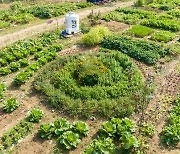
72 23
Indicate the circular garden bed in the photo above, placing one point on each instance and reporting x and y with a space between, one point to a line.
87 84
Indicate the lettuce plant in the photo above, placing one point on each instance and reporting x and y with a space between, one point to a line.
81 128
109 128
35 115
69 140
10 105
61 125
46 131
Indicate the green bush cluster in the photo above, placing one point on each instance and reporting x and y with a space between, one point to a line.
140 31
95 35
100 146
163 36
88 84
115 130
141 50
171 132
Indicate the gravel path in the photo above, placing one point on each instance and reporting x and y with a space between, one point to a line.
40 28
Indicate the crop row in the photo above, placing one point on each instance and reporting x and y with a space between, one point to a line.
18 13
171 132
25 48
165 4
116 130
141 50
20 131
148 18
41 58
69 135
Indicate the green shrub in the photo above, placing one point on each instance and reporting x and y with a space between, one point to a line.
35 115
10 105
69 140
163 36
139 3
95 35
90 84
21 78
140 31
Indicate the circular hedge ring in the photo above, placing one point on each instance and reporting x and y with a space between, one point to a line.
89 84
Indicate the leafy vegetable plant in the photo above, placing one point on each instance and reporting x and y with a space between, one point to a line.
61 125
46 131
35 115
81 128
101 147
69 140
10 105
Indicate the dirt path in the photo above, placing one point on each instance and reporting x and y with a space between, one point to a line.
34 30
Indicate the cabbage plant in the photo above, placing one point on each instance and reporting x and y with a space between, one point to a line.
69 140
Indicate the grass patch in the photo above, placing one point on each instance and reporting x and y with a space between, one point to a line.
163 36
140 31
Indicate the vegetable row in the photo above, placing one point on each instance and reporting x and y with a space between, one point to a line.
69 135
141 50
166 21
171 132
20 131
20 14
41 58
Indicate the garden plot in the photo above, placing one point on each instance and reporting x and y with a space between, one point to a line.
92 85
